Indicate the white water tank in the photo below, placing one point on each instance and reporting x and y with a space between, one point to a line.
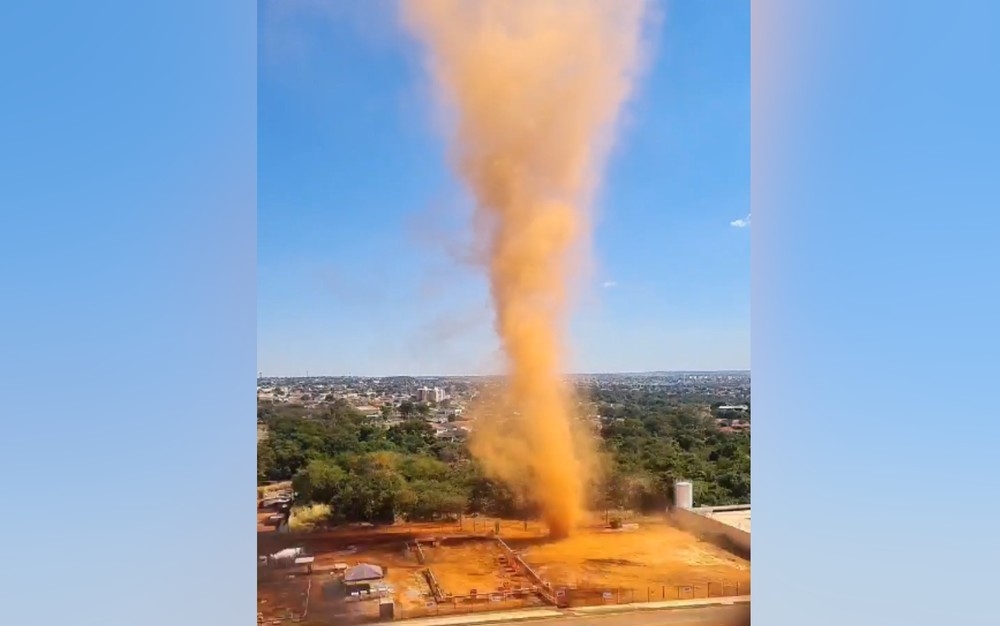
683 495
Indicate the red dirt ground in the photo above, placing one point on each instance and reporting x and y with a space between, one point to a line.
647 560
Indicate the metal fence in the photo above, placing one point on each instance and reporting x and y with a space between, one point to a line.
486 605
578 596
571 596
590 596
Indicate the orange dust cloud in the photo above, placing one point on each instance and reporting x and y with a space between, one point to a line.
532 91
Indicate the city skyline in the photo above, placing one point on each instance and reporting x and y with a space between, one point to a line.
435 376
361 254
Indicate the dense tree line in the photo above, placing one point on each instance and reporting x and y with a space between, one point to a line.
652 443
374 474
367 472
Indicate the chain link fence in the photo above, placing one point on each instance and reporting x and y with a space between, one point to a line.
487 604
592 596
367 611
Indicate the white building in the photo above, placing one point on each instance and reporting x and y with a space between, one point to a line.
431 395
734 407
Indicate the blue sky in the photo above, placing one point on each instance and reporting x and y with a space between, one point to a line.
127 168
359 216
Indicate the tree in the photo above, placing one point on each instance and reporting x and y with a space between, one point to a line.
279 458
430 499
659 441
341 408
265 462
423 468
320 480
406 409
371 495
450 451
414 437
491 497
615 489
365 472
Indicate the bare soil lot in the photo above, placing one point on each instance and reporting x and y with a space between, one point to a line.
648 559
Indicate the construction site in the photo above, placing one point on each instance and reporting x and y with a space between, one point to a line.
366 574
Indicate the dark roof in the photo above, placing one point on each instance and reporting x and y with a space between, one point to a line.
364 571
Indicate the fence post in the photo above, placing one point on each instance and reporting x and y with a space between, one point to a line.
663 592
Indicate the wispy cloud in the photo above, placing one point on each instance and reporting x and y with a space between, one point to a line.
608 284
742 223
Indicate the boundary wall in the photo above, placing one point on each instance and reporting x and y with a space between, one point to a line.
725 536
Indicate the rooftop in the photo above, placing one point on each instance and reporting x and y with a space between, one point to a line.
737 519
362 572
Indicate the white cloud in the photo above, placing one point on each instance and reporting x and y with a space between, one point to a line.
743 223
609 284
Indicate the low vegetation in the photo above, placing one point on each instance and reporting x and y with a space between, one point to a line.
308 517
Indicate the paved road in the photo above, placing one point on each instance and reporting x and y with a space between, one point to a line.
683 613
734 615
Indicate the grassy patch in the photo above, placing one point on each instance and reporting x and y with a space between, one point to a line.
309 517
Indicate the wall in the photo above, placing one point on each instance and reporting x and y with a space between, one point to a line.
725 507
420 552
544 588
723 535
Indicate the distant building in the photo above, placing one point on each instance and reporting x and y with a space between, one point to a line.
451 432
434 394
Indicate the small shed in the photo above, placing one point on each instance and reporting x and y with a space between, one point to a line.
363 572
361 577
